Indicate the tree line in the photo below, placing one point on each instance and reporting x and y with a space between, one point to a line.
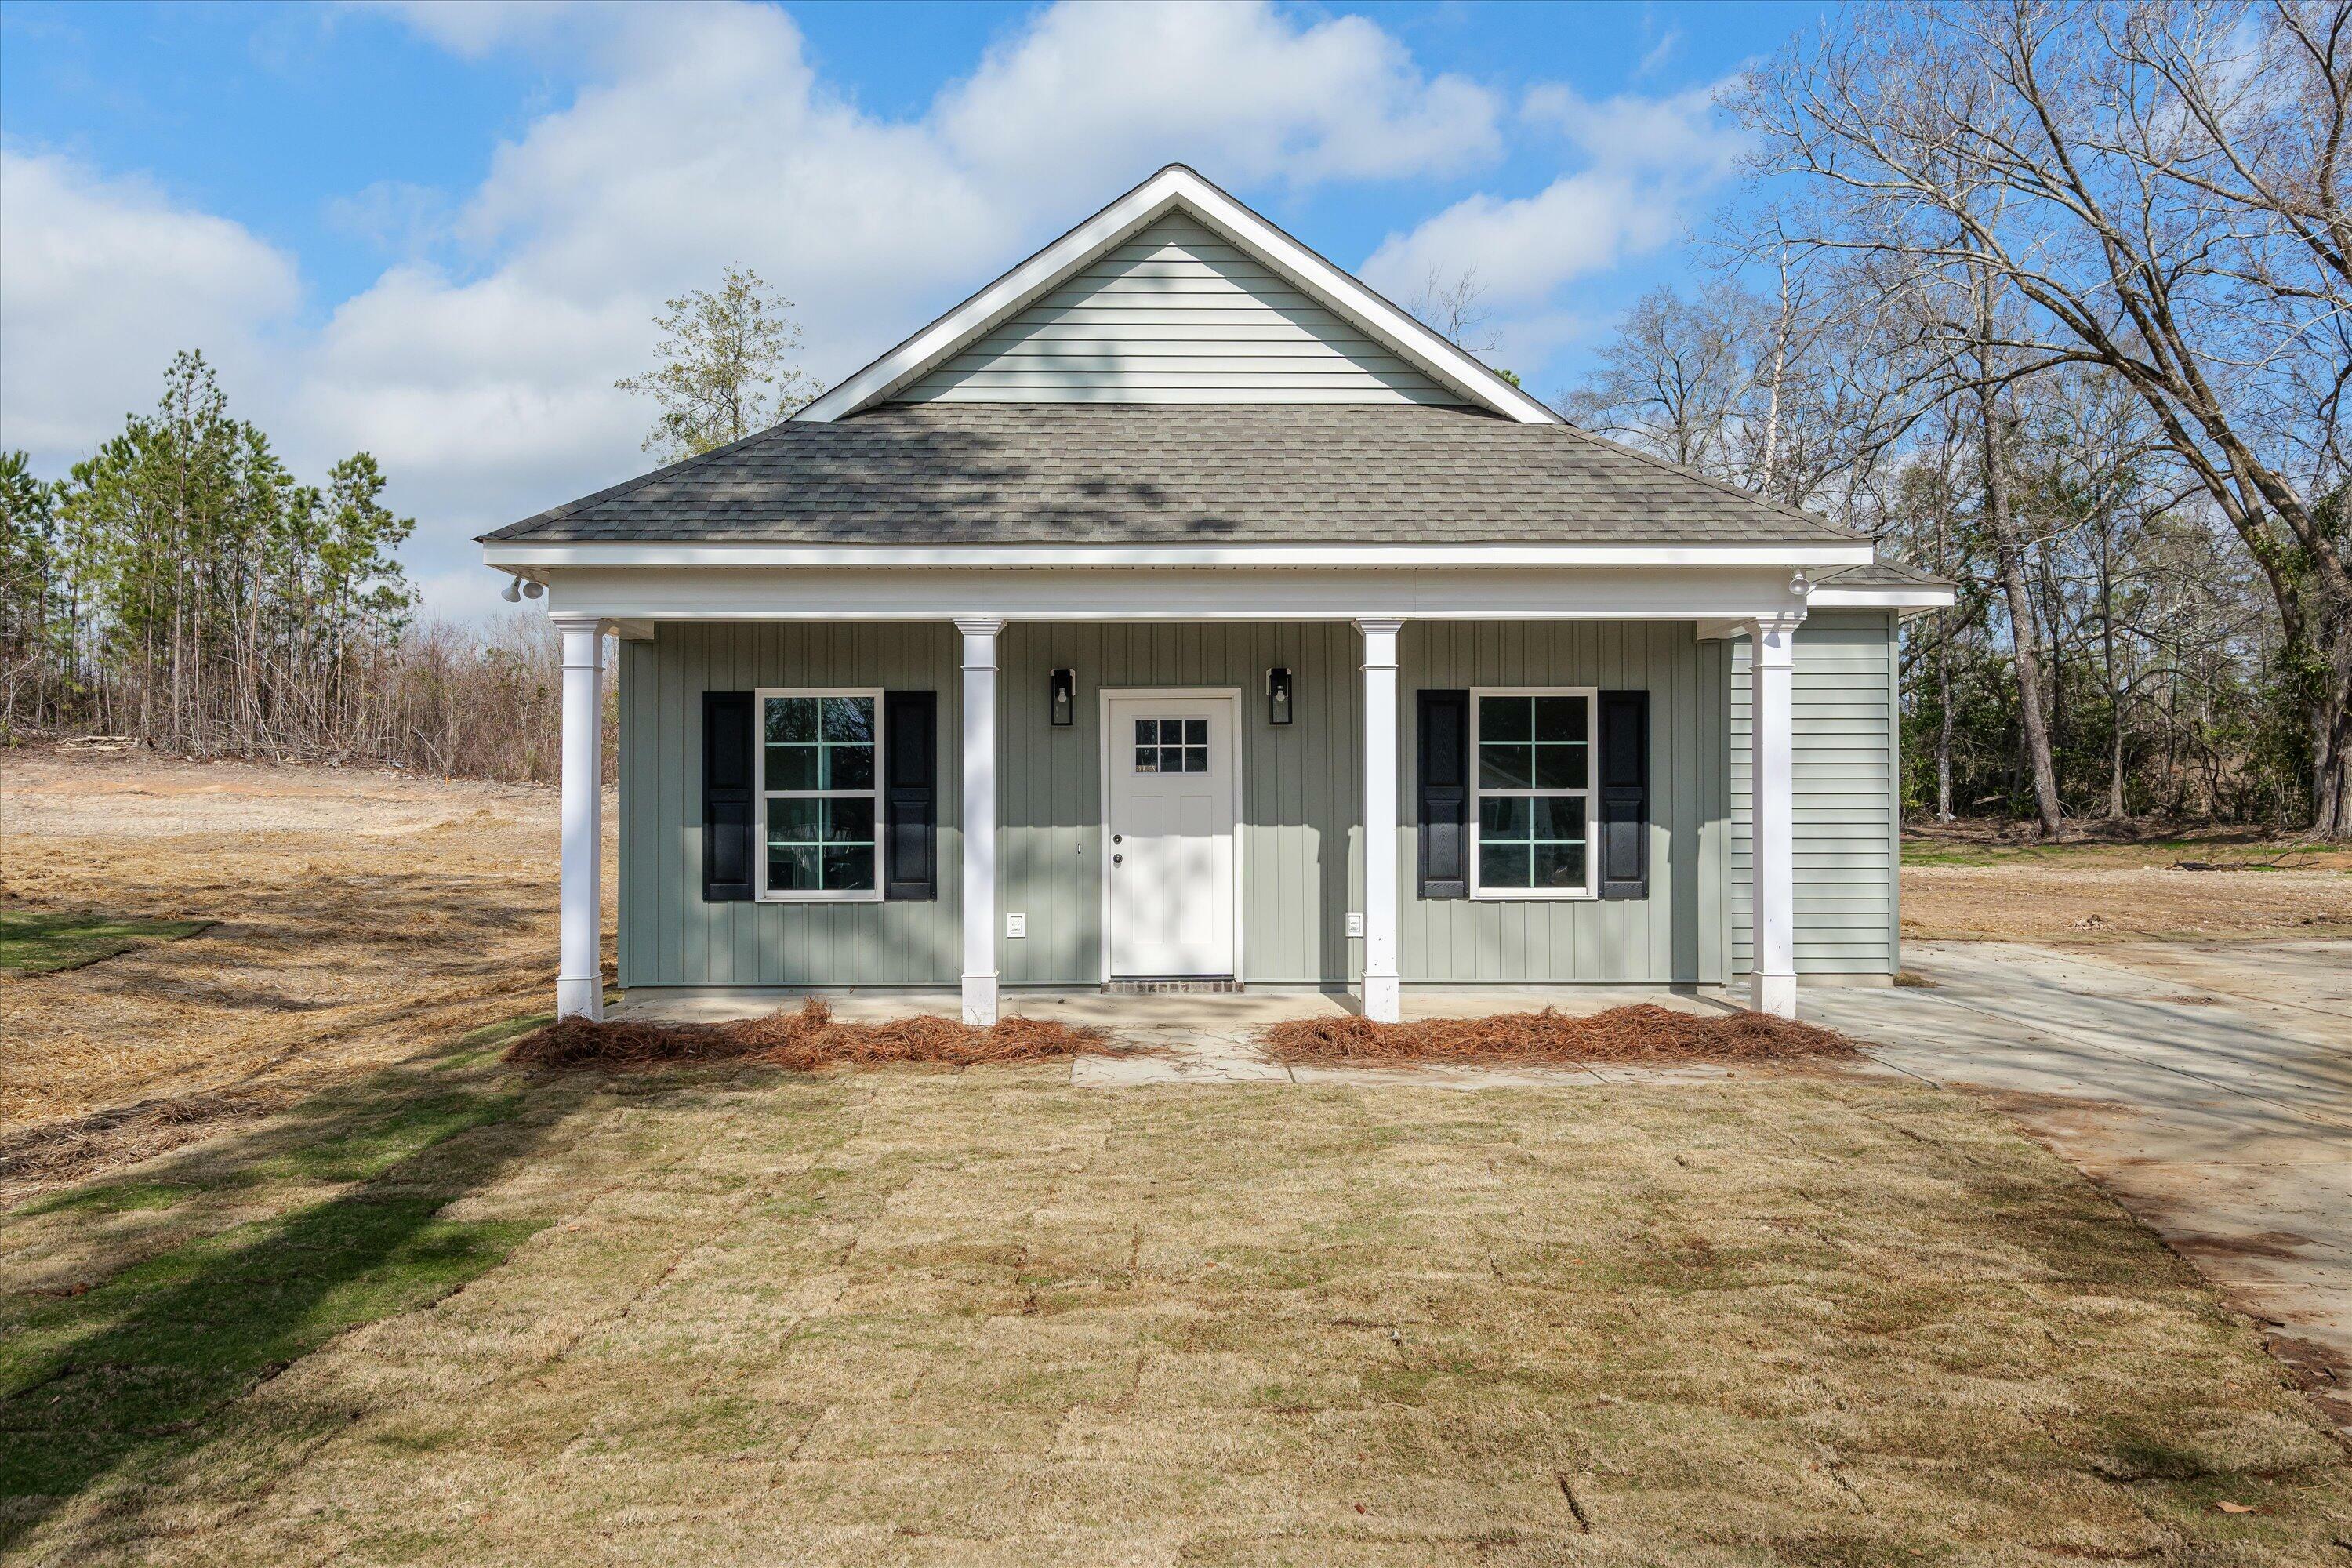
184 587
2054 300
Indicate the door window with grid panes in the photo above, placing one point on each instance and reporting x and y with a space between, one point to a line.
1532 821
1172 745
820 773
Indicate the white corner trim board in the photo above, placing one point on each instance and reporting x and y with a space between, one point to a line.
1172 187
580 969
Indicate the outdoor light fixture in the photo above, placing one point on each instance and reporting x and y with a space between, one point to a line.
512 592
531 590
1277 695
1063 686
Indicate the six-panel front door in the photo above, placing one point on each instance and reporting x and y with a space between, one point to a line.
1172 837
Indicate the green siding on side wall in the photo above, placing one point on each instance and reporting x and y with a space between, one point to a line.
1847 825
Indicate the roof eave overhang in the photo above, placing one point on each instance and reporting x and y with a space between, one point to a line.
525 555
1172 187
1911 600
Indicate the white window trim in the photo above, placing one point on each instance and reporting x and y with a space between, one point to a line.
762 893
1591 888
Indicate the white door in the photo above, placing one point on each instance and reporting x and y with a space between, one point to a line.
1171 855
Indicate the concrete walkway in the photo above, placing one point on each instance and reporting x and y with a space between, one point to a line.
2206 1084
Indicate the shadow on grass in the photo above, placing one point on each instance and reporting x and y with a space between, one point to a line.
123 1381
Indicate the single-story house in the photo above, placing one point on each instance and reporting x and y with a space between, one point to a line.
1177 610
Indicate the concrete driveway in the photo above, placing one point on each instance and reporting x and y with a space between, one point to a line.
2208 1085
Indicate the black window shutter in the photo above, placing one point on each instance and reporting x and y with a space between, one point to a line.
1625 794
728 797
910 754
1443 731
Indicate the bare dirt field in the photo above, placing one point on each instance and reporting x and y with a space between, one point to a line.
1973 882
357 913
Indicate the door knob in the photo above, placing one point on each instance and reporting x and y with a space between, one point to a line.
1115 839
1115 860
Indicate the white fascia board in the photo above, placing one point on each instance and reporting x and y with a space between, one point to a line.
1173 186
688 594
1921 596
521 555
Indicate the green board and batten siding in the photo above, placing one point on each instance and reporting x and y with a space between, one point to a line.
1672 935
669 936
1301 863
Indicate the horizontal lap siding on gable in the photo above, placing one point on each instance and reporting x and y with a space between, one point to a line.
1177 315
669 936
1674 935
1847 765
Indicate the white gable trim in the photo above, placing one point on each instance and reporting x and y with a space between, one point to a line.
1172 187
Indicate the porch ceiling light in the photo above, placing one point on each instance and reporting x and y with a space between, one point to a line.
1062 692
1278 704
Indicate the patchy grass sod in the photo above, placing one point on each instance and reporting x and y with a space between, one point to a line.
36 941
142 1306
747 1316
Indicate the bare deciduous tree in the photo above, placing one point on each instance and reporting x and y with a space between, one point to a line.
2160 187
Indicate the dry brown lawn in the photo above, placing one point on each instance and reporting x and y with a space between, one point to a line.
918 1317
1980 881
357 914
411 1305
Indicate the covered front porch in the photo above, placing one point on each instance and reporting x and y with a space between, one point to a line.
1334 845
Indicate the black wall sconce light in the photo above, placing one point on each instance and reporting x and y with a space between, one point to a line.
1279 703
1062 690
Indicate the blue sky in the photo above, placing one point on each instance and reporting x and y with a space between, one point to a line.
439 232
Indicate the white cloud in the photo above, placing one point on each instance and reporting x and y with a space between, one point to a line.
105 279
1118 89
1647 160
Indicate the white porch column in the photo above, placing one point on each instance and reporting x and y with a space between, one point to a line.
979 817
1772 776
580 968
1381 1001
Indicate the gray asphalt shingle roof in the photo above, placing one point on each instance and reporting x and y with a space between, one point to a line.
1042 473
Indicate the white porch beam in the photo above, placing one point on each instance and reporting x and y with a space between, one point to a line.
579 967
979 817
1381 984
1772 818
1188 595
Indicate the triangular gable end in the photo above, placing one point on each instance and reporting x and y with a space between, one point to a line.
1176 292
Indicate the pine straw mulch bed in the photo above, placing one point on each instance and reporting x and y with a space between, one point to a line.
1642 1034
805 1041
